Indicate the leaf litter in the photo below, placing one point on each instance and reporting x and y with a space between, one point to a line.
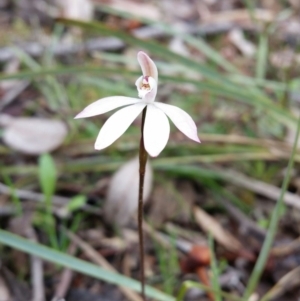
30 126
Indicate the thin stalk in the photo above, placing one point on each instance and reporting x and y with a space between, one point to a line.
215 271
143 155
264 254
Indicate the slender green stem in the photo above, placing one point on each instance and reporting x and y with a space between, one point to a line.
143 155
263 256
215 271
262 55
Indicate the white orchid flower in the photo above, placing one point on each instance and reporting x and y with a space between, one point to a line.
156 127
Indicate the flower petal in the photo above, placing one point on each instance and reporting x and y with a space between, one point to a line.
156 130
106 104
182 120
147 65
117 124
147 88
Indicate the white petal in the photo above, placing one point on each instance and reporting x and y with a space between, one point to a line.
147 65
156 130
182 120
106 104
146 95
117 124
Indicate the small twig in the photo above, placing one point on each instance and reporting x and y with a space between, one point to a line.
7 210
59 201
210 225
34 196
37 272
286 283
267 190
37 49
96 257
247 225
287 248
65 279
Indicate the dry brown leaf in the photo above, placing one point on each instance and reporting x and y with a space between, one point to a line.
145 10
286 283
97 258
77 9
241 15
34 136
283 59
237 38
122 196
4 290
210 225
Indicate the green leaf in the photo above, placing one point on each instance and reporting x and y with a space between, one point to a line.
47 175
262 56
76 203
78 265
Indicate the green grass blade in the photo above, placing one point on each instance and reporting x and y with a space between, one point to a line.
215 270
152 46
250 4
262 56
263 256
47 178
222 82
78 265
67 70
197 43
279 113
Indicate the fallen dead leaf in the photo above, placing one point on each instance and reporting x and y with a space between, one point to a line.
238 39
122 196
241 15
210 225
34 136
4 291
145 10
77 9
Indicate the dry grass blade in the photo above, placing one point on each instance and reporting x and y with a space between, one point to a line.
37 271
246 224
239 139
4 290
286 283
97 258
59 202
267 190
210 225
286 249
65 279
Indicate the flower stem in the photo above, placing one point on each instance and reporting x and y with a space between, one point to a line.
143 155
